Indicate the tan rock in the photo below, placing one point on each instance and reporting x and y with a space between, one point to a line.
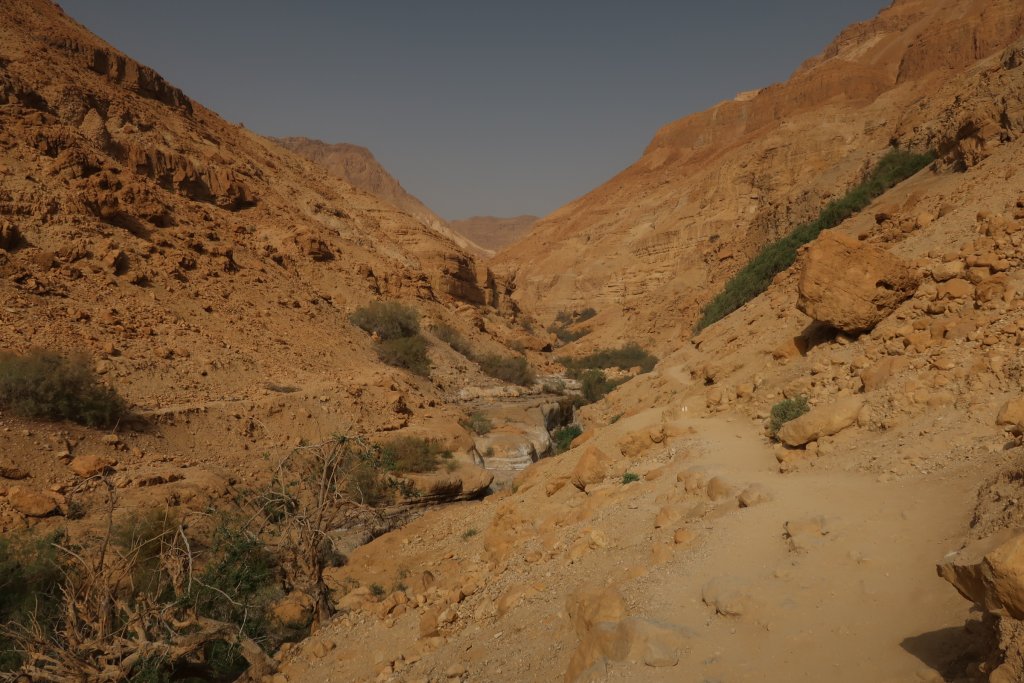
821 421
33 503
719 489
878 375
1011 412
684 536
91 465
850 285
755 494
990 572
592 468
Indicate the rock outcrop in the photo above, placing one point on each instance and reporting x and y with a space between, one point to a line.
852 286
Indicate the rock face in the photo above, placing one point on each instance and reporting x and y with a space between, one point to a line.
494 233
653 244
990 573
850 285
821 421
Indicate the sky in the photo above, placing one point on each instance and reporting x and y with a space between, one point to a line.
477 107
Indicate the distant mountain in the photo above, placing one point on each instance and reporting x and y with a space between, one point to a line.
492 232
359 168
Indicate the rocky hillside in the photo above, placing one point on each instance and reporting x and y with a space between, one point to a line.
773 501
494 233
357 166
648 248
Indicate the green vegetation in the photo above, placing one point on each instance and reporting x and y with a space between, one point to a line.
45 385
468 534
595 385
787 410
629 356
31 577
387 319
450 336
564 436
413 454
513 370
776 257
397 327
408 353
377 590
630 477
477 422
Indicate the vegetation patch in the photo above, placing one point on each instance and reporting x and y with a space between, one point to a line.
413 454
514 370
45 385
564 437
450 336
596 385
397 330
477 422
408 353
630 477
631 355
784 411
754 278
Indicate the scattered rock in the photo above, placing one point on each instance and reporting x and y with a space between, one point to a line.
33 503
990 572
821 421
91 465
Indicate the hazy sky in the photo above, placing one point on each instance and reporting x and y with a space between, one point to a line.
476 107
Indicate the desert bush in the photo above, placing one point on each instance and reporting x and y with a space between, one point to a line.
630 477
754 278
450 336
414 454
388 319
46 385
408 353
477 422
31 571
512 370
562 327
784 411
586 314
596 385
629 356
563 437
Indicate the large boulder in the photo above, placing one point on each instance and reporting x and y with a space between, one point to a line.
990 572
32 503
1011 413
592 468
821 421
850 285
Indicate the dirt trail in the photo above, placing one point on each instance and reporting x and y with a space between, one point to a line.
862 603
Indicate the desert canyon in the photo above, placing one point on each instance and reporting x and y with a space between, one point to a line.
266 416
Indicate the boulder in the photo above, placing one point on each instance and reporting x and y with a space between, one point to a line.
850 285
294 610
91 465
990 572
592 468
1011 413
33 503
821 421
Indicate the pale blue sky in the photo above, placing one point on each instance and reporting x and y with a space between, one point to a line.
476 107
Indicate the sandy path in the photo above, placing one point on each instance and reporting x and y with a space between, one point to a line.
862 604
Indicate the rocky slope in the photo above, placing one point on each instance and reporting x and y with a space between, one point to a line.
357 166
655 242
678 541
494 233
208 272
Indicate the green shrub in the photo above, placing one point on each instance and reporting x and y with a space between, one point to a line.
45 385
566 335
787 410
513 370
413 454
408 353
754 278
564 436
630 477
629 356
468 534
377 590
450 336
477 422
389 319
595 385
31 575
586 314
